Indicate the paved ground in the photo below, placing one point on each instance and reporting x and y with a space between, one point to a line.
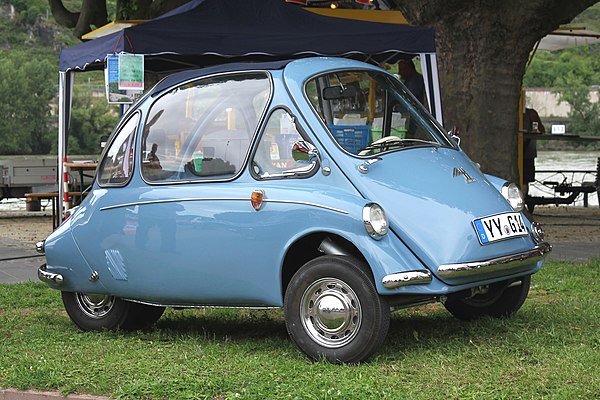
18 262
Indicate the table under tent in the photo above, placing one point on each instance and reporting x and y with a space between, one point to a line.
208 32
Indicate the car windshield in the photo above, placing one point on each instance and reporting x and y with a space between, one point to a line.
368 112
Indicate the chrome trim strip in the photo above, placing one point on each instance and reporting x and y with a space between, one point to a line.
184 305
504 263
307 204
49 277
139 203
393 281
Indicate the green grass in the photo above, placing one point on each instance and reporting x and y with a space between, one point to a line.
549 350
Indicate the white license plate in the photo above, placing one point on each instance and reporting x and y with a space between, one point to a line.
499 227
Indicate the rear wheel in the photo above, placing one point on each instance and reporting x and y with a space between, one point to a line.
496 303
333 310
92 312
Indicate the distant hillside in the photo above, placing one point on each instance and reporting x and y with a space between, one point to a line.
589 19
26 30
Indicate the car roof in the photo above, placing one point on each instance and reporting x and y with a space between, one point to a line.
186 75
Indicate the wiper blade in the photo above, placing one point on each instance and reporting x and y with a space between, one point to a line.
395 142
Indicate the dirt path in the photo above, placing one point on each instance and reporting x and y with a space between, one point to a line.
570 224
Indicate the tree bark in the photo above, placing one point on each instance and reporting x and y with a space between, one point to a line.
482 48
93 13
63 16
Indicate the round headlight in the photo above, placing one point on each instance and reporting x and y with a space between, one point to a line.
375 221
511 192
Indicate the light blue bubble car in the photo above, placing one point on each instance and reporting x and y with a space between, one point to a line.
318 185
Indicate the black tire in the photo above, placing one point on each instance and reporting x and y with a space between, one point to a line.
332 310
496 303
94 312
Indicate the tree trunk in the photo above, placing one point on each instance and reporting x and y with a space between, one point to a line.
63 16
482 49
93 13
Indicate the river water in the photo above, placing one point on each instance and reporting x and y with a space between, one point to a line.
546 161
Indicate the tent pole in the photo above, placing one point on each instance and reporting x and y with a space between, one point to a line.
432 84
65 91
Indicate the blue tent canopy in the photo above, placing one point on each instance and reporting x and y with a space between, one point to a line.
205 32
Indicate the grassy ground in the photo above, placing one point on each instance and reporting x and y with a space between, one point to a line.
549 350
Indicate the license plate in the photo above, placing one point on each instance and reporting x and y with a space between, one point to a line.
499 227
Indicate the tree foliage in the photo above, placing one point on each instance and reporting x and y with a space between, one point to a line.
571 73
584 116
28 76
28 86
91 118
29 10
555 69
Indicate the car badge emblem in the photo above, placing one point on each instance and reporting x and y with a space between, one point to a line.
257 199
461 171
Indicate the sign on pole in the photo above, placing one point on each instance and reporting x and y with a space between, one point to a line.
131 72
124 76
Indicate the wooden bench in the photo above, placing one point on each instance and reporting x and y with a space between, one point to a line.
53 197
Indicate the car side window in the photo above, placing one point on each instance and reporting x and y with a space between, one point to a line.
117 165
273 157
202 130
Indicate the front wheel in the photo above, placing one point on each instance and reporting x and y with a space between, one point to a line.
332 310
496 302
93 312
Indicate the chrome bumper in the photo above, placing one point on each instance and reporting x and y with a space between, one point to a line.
500 264
49 277
406 278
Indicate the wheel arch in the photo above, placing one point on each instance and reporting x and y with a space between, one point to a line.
314 245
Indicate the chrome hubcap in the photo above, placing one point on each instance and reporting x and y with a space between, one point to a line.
95 305
330 312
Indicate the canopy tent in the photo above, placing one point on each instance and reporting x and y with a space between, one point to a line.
207 32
